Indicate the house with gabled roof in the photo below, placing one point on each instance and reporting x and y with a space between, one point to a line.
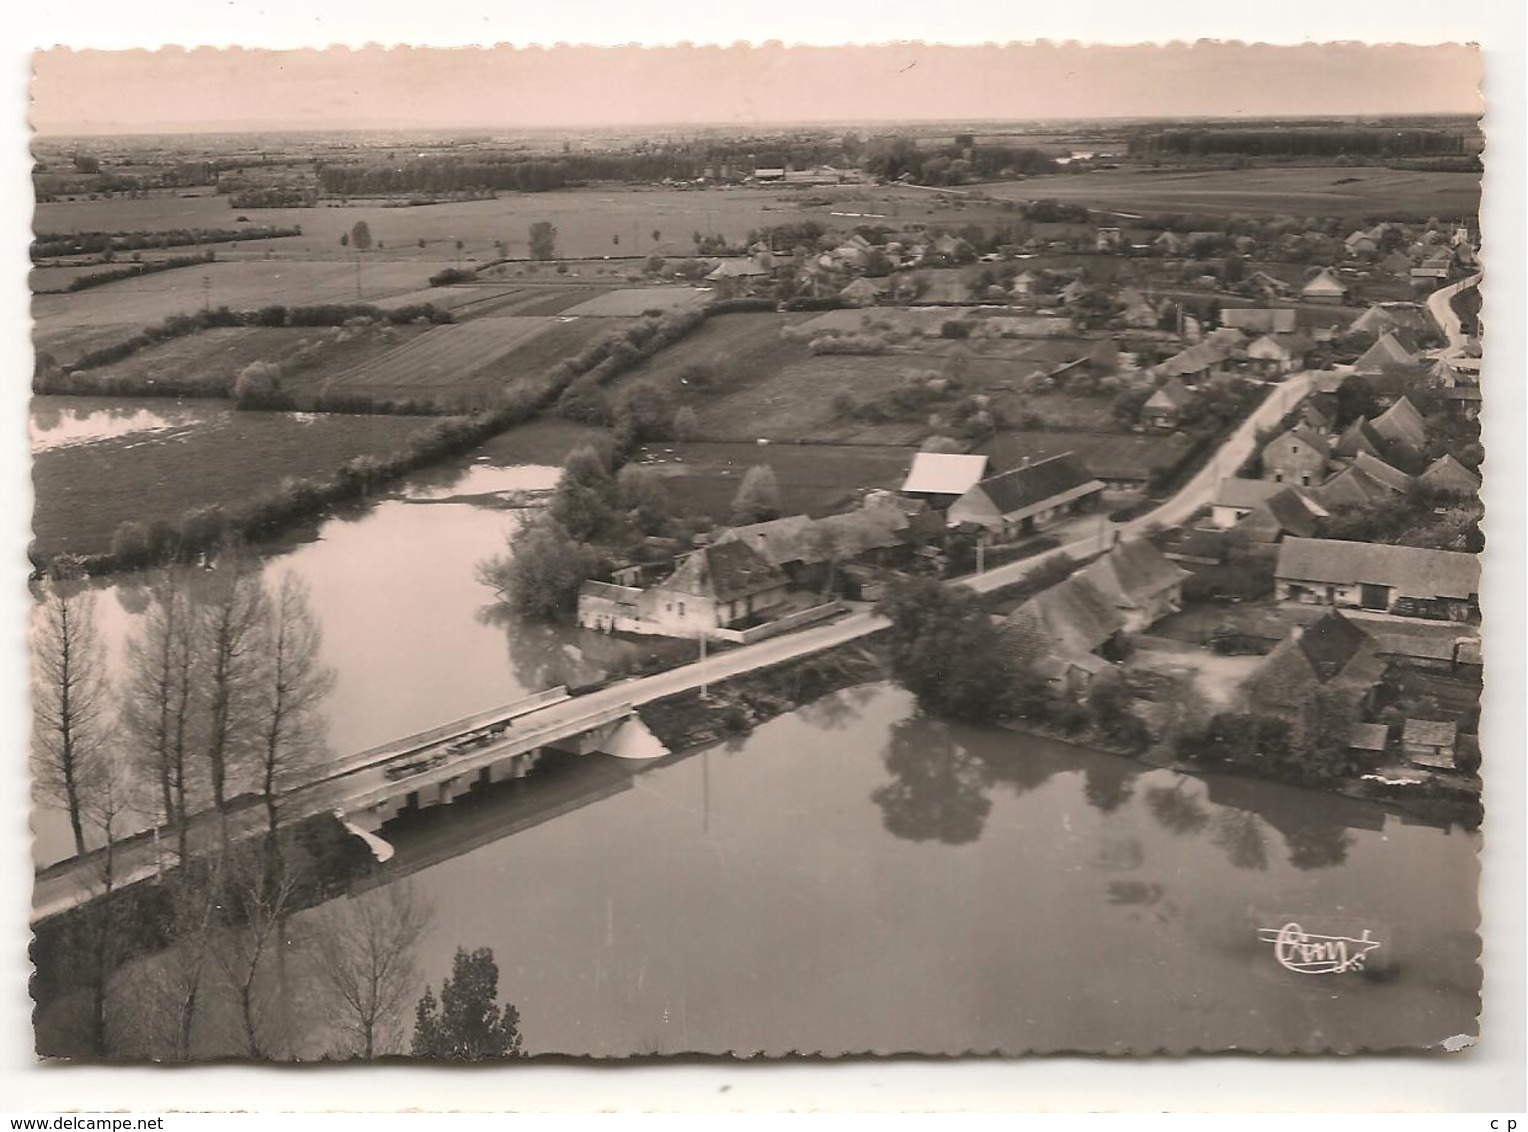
1331 653
1270 286
1168 242
1235 498
1388 350
1360 243
1313 417
940 478
1138 581
1324 287
716 587
1292 511
1448 476
1373 322
1402 424
1405 580
1061 632
1029 497
1275 355
1376 468
1298 456
1353 487
1358 437
1166 404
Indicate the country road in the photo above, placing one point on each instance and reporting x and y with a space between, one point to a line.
1440 305
138 860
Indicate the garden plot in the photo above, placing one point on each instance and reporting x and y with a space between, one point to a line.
443 358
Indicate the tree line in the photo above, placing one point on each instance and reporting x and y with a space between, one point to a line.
219 703
1306 142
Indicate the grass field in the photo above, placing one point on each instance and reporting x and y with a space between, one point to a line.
817 479
1275 190
83 492
67 344
240 285
587 220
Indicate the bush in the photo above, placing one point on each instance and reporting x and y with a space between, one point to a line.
451 275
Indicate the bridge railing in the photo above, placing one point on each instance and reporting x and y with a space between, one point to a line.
469 762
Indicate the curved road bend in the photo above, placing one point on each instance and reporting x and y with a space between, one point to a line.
137 861
1441 306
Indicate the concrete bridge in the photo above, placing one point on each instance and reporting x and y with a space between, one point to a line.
368 789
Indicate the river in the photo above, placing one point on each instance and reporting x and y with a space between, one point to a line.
412 636
852 877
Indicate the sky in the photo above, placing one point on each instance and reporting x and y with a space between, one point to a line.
173 90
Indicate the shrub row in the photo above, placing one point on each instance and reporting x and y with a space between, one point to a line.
601 363
48 244
132 271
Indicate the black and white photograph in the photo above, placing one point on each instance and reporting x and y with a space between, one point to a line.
763 551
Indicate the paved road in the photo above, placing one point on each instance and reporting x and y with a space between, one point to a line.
137 861
1441 306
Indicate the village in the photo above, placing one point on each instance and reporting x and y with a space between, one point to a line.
1322 591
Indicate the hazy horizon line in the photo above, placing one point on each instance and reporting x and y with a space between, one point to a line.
698 125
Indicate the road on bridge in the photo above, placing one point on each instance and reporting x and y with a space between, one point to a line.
67 886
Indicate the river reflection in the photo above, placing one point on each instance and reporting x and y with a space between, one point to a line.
856 877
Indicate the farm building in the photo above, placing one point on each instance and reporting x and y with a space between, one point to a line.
1405 580
1331 653
1108 239
1166 403
1141 584
744 269
1061 632
1447 476
1297 456
1313 418
940 478
1430 743
808 550
1236 497
1029 497
1138 313
1324 287
1269 286
1168 243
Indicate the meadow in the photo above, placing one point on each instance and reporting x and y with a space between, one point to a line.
1108 455
1325 190
443 358
817 479
84 491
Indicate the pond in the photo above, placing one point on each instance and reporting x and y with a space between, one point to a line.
855 877
62 422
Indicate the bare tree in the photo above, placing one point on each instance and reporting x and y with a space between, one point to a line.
69 696
291 684
229 624
109 915
364 959
159 701
258 899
